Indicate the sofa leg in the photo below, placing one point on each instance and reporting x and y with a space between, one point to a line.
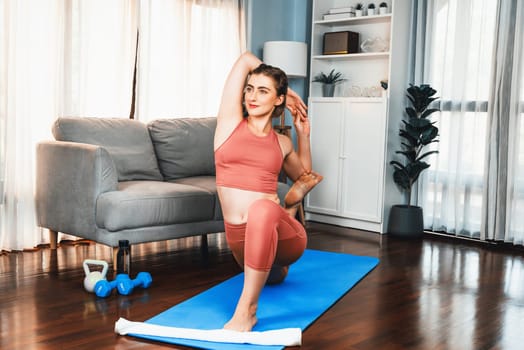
203 244
53 239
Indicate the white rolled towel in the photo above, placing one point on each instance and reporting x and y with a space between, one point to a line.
284 337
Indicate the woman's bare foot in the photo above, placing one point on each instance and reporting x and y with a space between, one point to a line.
292 211
243 320
301 187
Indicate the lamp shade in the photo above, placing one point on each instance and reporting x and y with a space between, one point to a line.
290 56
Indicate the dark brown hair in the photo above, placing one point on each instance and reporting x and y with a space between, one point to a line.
281 84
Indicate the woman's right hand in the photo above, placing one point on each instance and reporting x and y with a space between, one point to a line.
295 105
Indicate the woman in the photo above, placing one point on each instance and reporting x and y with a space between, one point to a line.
263 236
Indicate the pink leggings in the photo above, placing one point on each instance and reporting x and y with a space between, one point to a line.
269 237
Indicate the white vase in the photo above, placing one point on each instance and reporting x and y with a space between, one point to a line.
382 10
358 13
371 12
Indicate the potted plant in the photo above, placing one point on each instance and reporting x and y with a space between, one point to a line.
371 9
417 133
359 7
383 8
328 82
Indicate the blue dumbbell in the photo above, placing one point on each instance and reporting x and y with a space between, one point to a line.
126 285
104 288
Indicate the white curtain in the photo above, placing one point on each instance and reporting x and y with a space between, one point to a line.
504 196
99 54
56 58
77 58
473 58
30 46
458 66
186 50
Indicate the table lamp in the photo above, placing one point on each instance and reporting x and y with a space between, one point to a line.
291 57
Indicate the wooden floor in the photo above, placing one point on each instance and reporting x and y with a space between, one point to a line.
434 293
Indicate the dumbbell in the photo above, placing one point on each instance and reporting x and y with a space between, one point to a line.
123 284
103 288
92 277
126 285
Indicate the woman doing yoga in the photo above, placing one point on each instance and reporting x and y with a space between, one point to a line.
264 237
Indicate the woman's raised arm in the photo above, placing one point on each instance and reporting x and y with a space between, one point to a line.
230 111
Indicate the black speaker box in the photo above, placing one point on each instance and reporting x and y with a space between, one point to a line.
339 43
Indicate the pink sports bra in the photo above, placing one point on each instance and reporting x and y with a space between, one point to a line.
249 162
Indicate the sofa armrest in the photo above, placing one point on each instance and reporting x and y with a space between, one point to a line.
69 178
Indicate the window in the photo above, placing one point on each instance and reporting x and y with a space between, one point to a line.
475 186
186 49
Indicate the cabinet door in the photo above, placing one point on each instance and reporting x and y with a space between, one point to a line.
363 153
326 126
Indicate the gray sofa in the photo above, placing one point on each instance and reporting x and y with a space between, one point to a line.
107 179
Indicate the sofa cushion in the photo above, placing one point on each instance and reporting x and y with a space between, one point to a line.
207 183
184 147
126 140
153 203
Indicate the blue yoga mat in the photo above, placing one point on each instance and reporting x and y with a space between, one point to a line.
315 282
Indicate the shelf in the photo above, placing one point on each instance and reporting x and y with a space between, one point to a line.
348 98
355 20
351 56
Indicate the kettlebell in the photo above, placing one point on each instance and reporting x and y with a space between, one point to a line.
94 276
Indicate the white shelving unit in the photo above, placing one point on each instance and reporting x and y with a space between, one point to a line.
349 137
351 56
363 69
348 141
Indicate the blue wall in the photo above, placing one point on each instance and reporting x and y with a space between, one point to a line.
275 20
270 20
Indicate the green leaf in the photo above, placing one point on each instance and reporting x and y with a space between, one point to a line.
415 169
402 179
411 113
419 123
428 135
427 112
413 133
331 78
406 145
421 96
397 164
411 155
413 141
426 154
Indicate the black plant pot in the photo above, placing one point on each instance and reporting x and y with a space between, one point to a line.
406 221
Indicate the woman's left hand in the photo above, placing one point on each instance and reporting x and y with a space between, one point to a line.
302 126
